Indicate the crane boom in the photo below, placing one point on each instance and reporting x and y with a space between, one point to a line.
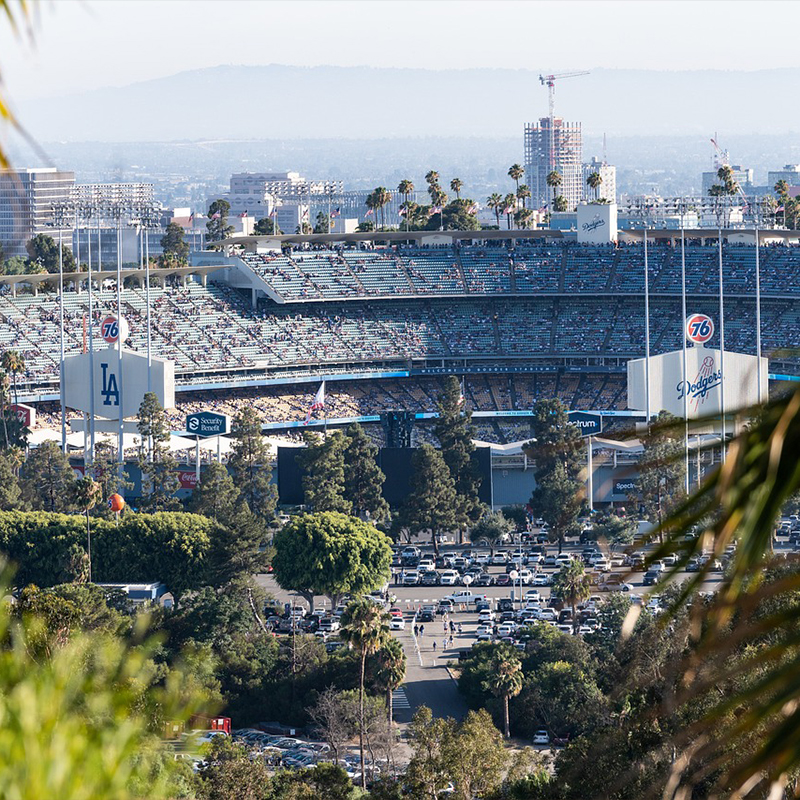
550 82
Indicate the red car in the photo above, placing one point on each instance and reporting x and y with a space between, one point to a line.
502 580
395 612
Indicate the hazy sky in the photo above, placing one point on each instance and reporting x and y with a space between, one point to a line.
86 44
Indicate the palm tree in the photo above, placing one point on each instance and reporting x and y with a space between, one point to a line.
4 404
505 680
495 202
593 182
560 203
524 193
739 504
390 670
432 177
381 197
509 207
87 492
14 364
523 217
515 172
456 185
553 180
572 585
364 628
405 188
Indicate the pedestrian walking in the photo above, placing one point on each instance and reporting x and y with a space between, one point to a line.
416 631
452 626
451 640
460 629
421 630
444 644
434 645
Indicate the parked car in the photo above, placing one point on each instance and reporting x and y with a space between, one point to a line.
429 579
502 580
410 578
448 577
541 737
397 624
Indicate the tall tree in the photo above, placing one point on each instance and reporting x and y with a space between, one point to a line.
10 492
158 465
387 670
432 502
505 681
509 207
495 202
250 463
175 249
381 198
456 185
493 528
266 226
524 193
560 203
515 172
324 479
13 362
217 225
322 224
363 478
558 500
553 180
216 495
572 585
432 178
47 478
662 471
593 181
43 251
330 554
455 432
87 493
553 439
364 627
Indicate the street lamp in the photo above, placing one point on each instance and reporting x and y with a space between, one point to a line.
514 575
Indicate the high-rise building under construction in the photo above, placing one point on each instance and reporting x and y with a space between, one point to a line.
559 150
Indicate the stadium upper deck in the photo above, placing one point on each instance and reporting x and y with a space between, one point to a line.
551 267
541 307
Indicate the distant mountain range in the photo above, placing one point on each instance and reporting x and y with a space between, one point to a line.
283 102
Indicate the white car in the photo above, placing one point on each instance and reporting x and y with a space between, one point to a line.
397 624
485 629
525 576
506 629
533 596
541 737
448 577
548 614
426 565
541 580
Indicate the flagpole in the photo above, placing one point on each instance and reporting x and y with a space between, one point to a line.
721 346
91 334
646 332
60 222
147 299
121 453
758 306
683 338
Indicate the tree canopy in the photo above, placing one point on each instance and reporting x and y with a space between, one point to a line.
330 554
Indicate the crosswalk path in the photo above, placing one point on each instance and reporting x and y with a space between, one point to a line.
399 699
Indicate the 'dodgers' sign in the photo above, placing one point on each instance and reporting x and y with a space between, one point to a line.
207 423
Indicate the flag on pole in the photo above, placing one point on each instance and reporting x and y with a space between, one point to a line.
244 213
216 216
319 402
369 213
473 209
402 212
336 213
461 398
274 212
305 213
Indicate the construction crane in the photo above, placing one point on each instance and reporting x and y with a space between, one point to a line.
550 82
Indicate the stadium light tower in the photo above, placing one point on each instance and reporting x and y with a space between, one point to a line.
550 82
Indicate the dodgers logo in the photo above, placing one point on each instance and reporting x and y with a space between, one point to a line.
110 387
707 379
594 224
